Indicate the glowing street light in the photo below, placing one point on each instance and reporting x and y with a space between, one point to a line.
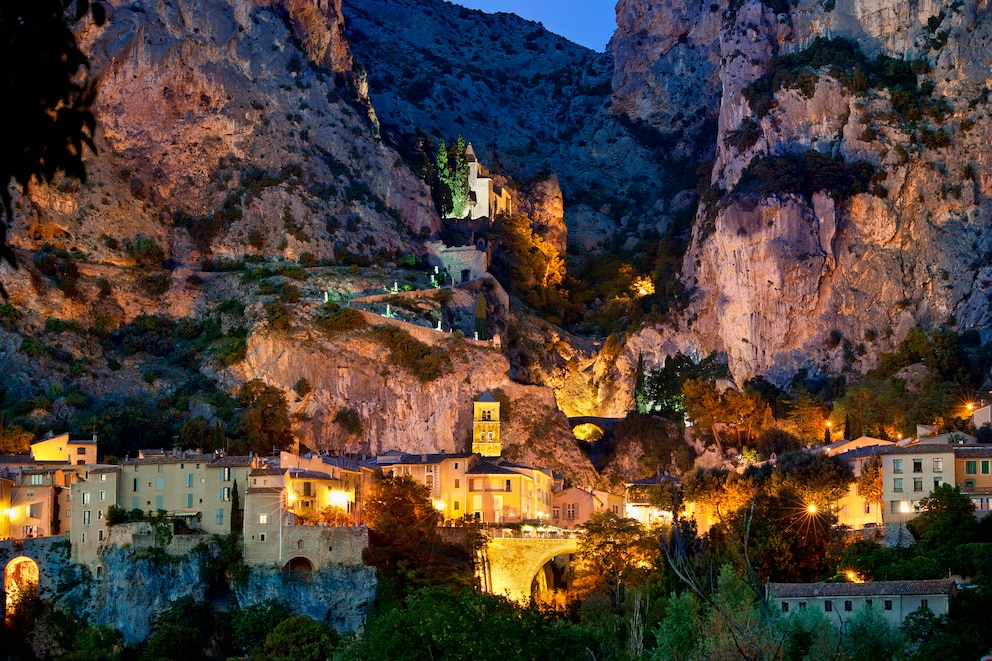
811 508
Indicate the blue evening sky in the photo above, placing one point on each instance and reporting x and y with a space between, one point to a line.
587 22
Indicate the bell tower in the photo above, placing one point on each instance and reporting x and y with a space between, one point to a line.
485 427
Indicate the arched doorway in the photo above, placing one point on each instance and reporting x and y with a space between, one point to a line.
20 580
299 569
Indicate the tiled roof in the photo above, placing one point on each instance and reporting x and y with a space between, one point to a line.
430 458
651 481
301 474
872 589
973 452
231 460
486 397
921 448
489 468
15 459
267 471
105 468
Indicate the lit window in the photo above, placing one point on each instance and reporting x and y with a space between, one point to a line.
225 494
86 517
37 480
263 518
103 477
458 505
938 465
458 483
86 498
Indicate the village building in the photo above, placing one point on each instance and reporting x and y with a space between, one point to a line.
841 601
572 508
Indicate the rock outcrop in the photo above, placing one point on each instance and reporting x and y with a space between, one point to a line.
774 274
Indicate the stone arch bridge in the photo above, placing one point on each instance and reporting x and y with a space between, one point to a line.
510 564
34 565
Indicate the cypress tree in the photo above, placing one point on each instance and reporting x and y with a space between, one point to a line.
459 181
480 316
442 192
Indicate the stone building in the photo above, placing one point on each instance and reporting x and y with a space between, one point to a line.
485 427
840 601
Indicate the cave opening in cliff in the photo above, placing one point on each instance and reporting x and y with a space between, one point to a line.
20 583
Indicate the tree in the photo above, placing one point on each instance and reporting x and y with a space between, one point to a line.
437 624
265 422
251 624
946 522
14 439
870 480
480 316
236 523
458 182
182 631
301 638
50 108
442 195
611 552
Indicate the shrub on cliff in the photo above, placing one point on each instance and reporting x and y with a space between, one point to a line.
421 360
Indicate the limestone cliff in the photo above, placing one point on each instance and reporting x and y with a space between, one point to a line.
775 273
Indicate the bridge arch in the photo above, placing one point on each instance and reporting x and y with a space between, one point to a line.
299 568
514 562
588 431
20 580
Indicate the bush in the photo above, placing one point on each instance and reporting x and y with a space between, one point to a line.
334 320
350 421
32 347
421 360
155 284
302 388
145 251
805 174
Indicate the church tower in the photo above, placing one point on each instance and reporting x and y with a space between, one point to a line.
485 427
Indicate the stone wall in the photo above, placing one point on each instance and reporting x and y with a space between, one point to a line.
323 546
51 555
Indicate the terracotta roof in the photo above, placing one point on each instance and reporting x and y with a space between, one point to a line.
872 589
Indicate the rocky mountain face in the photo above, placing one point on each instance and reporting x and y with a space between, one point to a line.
822 278
532 104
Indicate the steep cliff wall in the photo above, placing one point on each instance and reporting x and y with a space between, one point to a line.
775 272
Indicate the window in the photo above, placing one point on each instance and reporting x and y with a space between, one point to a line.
189 479
482 437
848 605
867 507
985 466
888 604
458 505
894 506
225 494
37 480
86 517
917 484
508 486
160 502
135 503
490 437
456 465
84 538
86 498
458 483
938 465
103 478
897 484
969 484
103 496
971 468
802 605
785 606
570 511
220 516
137 485
225 474
99 535
917 465
555 512
924 603
99 515
159 484
897 465
828 606
263 519
189 500
80 450
261 537
430 482
936 482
